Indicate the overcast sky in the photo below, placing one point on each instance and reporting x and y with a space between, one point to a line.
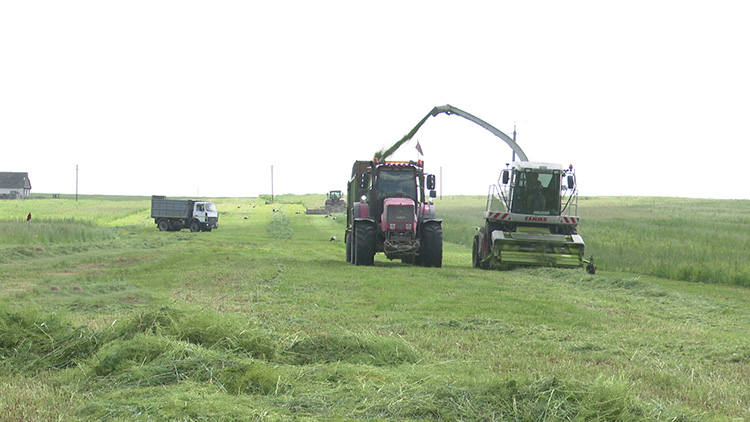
188 98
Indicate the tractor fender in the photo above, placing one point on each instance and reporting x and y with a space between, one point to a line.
427 211
361 210
422 223
364 220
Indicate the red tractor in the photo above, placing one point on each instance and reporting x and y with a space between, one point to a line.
388 211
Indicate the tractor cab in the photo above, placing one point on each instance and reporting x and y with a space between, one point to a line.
334 195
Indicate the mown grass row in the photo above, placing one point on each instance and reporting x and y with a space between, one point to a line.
195 353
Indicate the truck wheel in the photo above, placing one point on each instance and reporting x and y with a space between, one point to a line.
163 225
195 226
364 244
348 241
432 245
476 257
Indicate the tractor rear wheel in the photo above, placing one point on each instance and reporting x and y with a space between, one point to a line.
364 244
432 245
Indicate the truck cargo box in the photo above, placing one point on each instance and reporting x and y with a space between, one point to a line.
170 208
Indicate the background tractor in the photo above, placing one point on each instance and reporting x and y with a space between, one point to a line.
388 211
335 202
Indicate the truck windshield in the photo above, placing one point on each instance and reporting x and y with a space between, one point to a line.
210 207
396 182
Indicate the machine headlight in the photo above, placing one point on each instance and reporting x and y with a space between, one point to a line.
363 198
393 226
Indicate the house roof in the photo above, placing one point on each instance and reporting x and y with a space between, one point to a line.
12 180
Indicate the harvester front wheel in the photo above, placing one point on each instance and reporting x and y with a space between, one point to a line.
476 258
364 244
432 245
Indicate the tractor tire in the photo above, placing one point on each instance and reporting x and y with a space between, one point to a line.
163 225
195 226
432 245
476 257
364 244
348 241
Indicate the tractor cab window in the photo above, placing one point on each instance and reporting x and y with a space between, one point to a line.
396 183
537 193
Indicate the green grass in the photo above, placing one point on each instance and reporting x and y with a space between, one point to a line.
262 320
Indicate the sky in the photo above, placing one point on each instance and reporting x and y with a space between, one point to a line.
243 98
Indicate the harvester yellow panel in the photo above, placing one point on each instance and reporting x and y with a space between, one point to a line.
544 249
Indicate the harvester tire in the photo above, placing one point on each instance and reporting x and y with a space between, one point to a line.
432 245
348 241
476 258
364 244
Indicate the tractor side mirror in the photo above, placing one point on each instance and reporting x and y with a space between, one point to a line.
433 194
506 177
571 182
431 181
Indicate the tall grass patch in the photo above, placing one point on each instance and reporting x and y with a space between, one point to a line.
49 231
697 240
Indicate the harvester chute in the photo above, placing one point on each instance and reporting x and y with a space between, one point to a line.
449 109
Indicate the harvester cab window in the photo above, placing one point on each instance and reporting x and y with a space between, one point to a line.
537 193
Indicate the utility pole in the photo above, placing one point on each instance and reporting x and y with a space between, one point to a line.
76 182
441 183
271 182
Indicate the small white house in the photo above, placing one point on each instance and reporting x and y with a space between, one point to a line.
14 185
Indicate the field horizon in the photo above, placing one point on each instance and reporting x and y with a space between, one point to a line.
103 317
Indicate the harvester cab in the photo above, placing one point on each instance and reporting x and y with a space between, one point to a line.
531 218
390 210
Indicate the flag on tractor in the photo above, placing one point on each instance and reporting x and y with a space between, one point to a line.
419 148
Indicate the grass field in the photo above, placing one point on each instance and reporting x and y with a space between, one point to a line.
103 317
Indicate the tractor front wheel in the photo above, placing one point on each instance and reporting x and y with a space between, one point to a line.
364 244
432 245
